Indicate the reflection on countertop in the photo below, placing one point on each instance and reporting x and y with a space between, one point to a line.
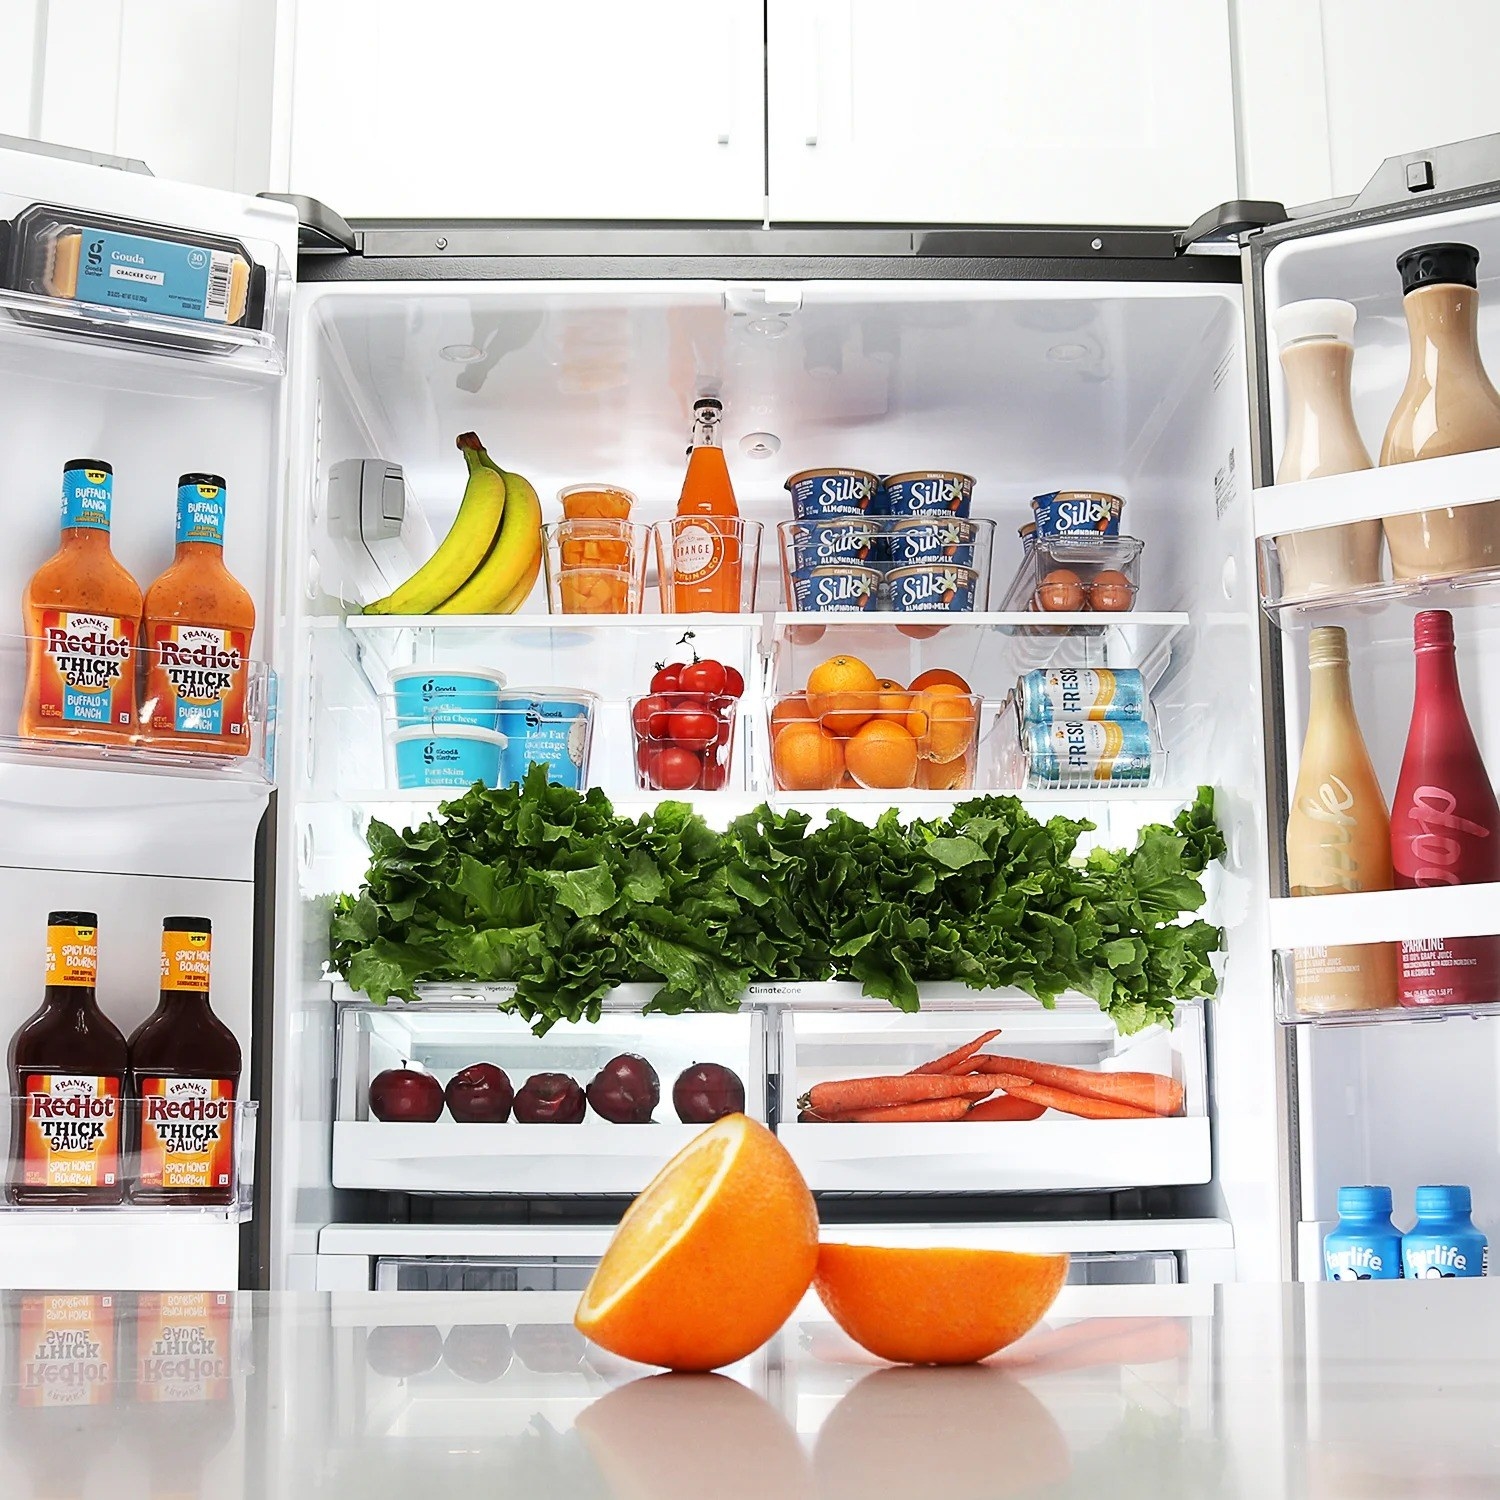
1360 1390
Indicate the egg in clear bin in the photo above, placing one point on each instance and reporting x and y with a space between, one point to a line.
1060 591
1110 591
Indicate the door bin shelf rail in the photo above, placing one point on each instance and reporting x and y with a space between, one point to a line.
1385 916
593 1156
1054 1153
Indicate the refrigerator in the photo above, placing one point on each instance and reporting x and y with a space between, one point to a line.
1133 361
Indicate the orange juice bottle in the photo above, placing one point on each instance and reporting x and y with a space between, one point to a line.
199 623
706 555
83 617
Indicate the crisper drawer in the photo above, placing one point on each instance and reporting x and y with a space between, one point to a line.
593 1156
1056 1152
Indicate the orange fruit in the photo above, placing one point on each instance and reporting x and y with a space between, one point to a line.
710 1259
935 675
944 721
806 758
882 754
894 702
946 776
790 711
936 1306
843 692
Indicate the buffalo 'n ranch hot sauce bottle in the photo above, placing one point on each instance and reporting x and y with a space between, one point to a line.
82 613
199 621
184 1079
67 1074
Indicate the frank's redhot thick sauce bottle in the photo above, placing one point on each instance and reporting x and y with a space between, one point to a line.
67 1076
199 621
82 613
184 1079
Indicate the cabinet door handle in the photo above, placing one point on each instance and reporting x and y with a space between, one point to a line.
725 107
813 48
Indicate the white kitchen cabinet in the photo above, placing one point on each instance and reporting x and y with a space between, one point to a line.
468 108
999 111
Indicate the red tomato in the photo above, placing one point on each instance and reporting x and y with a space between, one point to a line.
651 717
723 710
714 775
703 677
667 678
734 683
674 769
693 728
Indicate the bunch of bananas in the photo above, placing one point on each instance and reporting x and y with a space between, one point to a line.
489 561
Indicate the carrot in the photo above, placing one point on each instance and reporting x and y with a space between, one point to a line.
1154 1093
949 1061
904 1114
876 1093
1069 1104
1005 1107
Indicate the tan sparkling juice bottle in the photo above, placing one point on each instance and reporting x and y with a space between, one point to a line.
1338 836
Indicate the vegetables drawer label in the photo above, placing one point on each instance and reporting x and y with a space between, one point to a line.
198 678
67 1350
72 1131
187 1132
88 668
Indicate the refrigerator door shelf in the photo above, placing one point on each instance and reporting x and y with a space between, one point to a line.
1475 589
239 1166
1385 916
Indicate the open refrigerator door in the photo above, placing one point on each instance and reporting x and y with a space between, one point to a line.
144 324
1374 1097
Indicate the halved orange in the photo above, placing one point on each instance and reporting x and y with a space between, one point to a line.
936 1306
711 1258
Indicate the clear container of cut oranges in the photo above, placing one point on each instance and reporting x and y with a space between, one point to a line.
1066 574
849 728
596 556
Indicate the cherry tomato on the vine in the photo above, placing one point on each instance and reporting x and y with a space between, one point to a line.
702 677
673 769
668 678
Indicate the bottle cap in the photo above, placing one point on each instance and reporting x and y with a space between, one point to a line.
1317 318
1437 265
1441 1202
1328 646
708 403
88 463
1364 1200
1432 627
72 919
214 480
186 924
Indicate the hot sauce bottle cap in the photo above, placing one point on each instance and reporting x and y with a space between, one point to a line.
1437 265
186 924
88 463
72 919
215 480
1433 629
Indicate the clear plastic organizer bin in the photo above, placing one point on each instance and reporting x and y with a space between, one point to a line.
1117 755
1053 1153
430 1151
113 722
211 1171
1063 575
887 741
105 276
903 564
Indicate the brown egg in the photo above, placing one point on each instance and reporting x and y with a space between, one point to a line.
1061 589
1111 591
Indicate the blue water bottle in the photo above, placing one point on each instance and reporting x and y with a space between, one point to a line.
1364 1245
1443 1241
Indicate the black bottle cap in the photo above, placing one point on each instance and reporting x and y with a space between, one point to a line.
72 919
708 403
186 924
213 479
88 463
1434 265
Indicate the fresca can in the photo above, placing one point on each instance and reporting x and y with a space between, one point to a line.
1077 513
849 539
932 586
925 539
1082 693
838 588
1075 752
819 493
925 491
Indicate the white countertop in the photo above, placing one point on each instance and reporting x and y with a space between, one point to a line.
1360 1390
